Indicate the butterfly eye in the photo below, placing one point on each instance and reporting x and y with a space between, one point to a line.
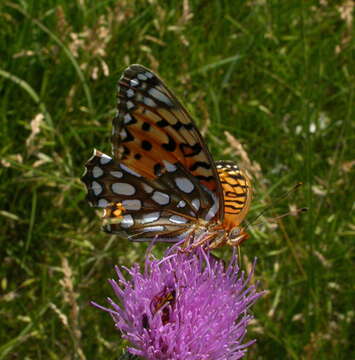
235 233
236 236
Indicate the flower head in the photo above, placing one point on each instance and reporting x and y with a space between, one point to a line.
186 306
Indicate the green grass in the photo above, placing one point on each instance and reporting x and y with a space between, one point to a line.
277 75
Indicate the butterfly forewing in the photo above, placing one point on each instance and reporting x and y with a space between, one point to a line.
152 125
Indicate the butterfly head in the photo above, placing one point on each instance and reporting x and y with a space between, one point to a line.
237 236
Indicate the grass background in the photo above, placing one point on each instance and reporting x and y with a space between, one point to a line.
277 75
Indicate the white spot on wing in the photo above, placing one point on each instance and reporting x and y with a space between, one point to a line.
129 105
130 93
177 219
105 159
142 77
184 185
169 166
161 198
117 174
148 74
153 228
127 221
96 188
213 209
196 204
134 82
129 171
97 172
133 204
148 189
127 119
148 101
123 189
102 203
150 217
159 96
181 204
123 134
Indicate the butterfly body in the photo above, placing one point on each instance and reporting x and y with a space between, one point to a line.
162 182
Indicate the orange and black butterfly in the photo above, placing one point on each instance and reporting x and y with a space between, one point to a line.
162 182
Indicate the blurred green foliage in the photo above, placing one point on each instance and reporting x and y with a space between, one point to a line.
276 75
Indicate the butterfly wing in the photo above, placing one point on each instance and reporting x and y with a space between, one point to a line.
151 125
237 193
162 179
144 208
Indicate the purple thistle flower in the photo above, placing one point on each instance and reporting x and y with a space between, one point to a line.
186 306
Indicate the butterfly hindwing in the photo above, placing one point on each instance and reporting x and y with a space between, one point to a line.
140 206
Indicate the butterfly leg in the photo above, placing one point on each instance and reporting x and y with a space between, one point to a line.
217 242
188 241
204 240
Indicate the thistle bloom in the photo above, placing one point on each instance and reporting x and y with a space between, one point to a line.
186 306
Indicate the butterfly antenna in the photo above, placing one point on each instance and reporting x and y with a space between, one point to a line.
289 213
277 200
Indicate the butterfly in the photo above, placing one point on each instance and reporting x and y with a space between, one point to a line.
161 182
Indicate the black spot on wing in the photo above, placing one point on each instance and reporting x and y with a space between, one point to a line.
205 178
171 145
146 126
201 164
190 150
158 169
126 151
128 138
146 145
177 126
189 126
162 123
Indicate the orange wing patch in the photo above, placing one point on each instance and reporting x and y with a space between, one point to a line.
151 126
237 193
